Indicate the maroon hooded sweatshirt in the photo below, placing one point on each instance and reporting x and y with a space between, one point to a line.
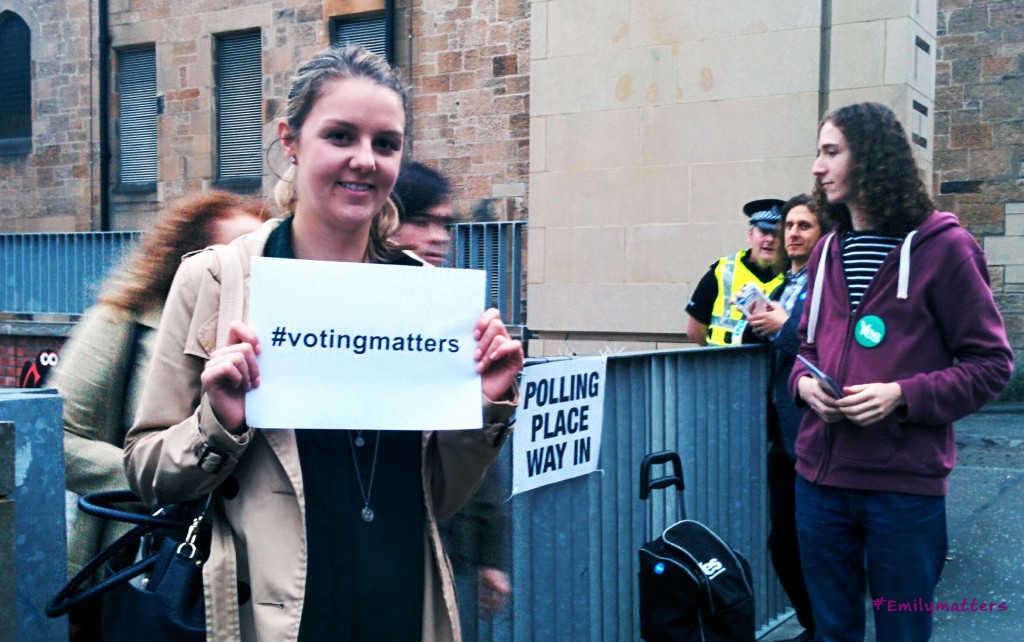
944 343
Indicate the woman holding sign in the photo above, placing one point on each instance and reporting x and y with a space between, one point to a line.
317 534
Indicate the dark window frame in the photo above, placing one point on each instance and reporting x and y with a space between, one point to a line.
136 116
363 24
238 111
15 85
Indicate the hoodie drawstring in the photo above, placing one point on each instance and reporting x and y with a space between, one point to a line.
819 280
902 287
904 282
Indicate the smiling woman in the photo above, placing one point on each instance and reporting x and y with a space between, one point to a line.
303 519
343 134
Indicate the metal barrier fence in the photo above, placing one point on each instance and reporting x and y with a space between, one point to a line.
498 248
60 273
574 544
56 273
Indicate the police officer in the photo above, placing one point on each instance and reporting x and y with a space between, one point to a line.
714 319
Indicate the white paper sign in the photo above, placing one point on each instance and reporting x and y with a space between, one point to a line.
558 422
357 346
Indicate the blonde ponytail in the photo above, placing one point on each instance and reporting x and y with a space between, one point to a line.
284 191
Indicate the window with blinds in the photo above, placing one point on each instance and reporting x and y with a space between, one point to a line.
137 129
369 31
239 77
15 84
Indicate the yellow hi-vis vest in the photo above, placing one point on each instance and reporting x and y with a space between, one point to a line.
727 322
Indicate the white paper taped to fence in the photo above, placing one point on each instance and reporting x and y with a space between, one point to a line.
558 422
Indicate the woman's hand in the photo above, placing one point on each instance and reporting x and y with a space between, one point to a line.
869 403
229 374
499 358
819 401
768 323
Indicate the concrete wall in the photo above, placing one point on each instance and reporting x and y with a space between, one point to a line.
8 581
33 510
653 121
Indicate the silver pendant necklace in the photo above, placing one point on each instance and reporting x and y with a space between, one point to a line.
359 439
367 512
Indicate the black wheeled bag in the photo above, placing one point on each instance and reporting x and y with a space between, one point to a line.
693 586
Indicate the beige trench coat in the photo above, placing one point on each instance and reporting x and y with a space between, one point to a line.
99 379
258 532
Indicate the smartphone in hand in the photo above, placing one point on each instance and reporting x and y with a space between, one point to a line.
827 383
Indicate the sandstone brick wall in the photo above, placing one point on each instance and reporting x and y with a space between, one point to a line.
979 136
470 98
54 188
15 350
468 64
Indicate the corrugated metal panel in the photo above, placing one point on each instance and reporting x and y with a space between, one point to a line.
574 544
239 106
368 31
56 273
137 88
496 247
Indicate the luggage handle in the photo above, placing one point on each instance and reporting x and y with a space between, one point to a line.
662 457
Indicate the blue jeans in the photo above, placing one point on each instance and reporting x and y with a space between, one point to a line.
850 540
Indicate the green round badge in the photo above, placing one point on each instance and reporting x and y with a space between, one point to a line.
870 331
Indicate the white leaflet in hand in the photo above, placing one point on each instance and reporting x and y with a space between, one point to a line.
751 300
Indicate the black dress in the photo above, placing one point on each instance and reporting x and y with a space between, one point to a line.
364 579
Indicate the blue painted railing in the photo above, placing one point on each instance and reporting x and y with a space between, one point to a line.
59 273
56 273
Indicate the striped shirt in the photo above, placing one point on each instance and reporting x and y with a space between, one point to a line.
863 253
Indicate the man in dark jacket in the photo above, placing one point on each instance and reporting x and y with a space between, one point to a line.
476 537
900 314
801 229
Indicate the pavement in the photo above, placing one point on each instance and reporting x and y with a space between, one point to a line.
985 524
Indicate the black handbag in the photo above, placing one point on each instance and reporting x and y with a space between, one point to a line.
152 586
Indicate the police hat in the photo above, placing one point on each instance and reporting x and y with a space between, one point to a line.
764 212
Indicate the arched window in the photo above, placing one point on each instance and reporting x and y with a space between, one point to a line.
15 85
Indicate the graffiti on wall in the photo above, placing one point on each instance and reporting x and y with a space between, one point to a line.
33 373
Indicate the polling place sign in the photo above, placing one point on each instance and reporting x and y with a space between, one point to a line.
358 346
558 422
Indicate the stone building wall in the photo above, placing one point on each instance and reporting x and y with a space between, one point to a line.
653 122
466 63
54 187
979 141
20 348
629 131
471 99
